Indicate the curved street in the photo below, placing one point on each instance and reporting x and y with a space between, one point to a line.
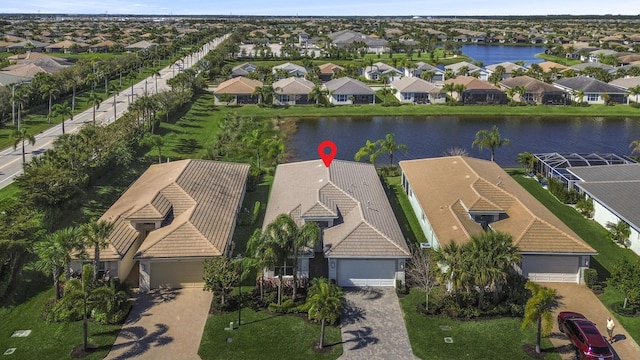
11 160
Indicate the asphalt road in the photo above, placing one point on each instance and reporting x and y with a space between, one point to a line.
11 160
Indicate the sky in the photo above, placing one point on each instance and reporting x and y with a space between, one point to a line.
323 7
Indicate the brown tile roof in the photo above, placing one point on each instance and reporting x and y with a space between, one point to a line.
329 68
530 84
293 85
348 192
448 187
415 85
195 200
471 83
548 65
238 85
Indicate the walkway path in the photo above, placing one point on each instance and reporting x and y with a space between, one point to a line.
11 160
373 326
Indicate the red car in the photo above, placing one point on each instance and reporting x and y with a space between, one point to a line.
584 335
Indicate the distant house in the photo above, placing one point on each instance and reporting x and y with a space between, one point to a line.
347 91
361 242
66 46
416 90
380 70
584 66
592 91
103 46
594 56
477 91
328 70
509 68
456 197
292 91
626 84
241 88
536 91
27 45
7 79
345 38
170 220
143 45
465 68
554 69
243 69
421 67
290 68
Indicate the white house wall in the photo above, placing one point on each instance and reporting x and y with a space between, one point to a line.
602 216
426 227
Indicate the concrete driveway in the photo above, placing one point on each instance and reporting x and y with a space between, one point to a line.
579 298
164 324
373 326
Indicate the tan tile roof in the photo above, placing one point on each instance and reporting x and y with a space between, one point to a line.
293 85
471 83
346 190
548 65
448 187
196 200
238 85
415 85
530 84
329 68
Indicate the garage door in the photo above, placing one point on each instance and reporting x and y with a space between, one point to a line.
176 274
366 273
546 268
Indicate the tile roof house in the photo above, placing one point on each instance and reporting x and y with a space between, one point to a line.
416 90
291 69
477 91
582 88
456 197
327 70
28 45
347 91
344 38
66 46
172 218
421 67
362 243
143 45
509 67
240 87
627 83
536 91
379 70
293 90
243 69
470 68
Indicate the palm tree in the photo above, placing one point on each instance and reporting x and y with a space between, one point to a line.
303 238
277 238
527 160
257 258
635 144
64 110
156 141
96 235
634 91
538 309
156 74
95 100
490 139
449 88
388 146
619 232
459 89
317 94
20 97
368 150
49 90
452 257
325 302
20 136
113 90
54 253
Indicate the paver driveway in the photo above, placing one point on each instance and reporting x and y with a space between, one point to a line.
164 324
373 326
579 298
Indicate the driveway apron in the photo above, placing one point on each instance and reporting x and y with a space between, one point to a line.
579 298
164 324
373 326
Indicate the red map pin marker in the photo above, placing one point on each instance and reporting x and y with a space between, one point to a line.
327 158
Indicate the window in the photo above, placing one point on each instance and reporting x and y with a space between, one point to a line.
593 97
288 271
283 98
407 96
341 98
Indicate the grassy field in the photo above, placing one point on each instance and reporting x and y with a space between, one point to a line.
266 336
500 338
404 213
559 59
47 340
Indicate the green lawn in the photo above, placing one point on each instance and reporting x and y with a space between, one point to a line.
404 213
559 59
47 340
266 336
596 236
500 338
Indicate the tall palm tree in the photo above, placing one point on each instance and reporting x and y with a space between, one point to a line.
96 235
54 253
452 256
317 94
538 310
448 88
64 110
325 302
527 160
20 136
257 258
277 237
156 74
368 150
388 146
156 141
635 144
94 100
20 97
303 238
49 89
490 139
113 90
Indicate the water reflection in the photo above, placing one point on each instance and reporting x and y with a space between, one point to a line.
429 136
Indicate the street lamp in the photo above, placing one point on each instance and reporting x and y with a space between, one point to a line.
239 290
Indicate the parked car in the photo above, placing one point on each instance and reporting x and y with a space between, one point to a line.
584 335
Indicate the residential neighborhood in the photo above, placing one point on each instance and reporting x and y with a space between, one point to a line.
251 187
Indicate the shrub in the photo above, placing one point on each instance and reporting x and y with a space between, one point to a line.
591 277
635 105
619 309
585 207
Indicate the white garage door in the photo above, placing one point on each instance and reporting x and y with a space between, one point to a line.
548 268
366 273
177 274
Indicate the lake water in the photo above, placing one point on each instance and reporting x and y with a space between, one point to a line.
431 136
490 54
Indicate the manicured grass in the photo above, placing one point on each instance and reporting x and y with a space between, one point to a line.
9 191
559 59
404 213
242 233
48 340
631 324
425 110
266 336
500 338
